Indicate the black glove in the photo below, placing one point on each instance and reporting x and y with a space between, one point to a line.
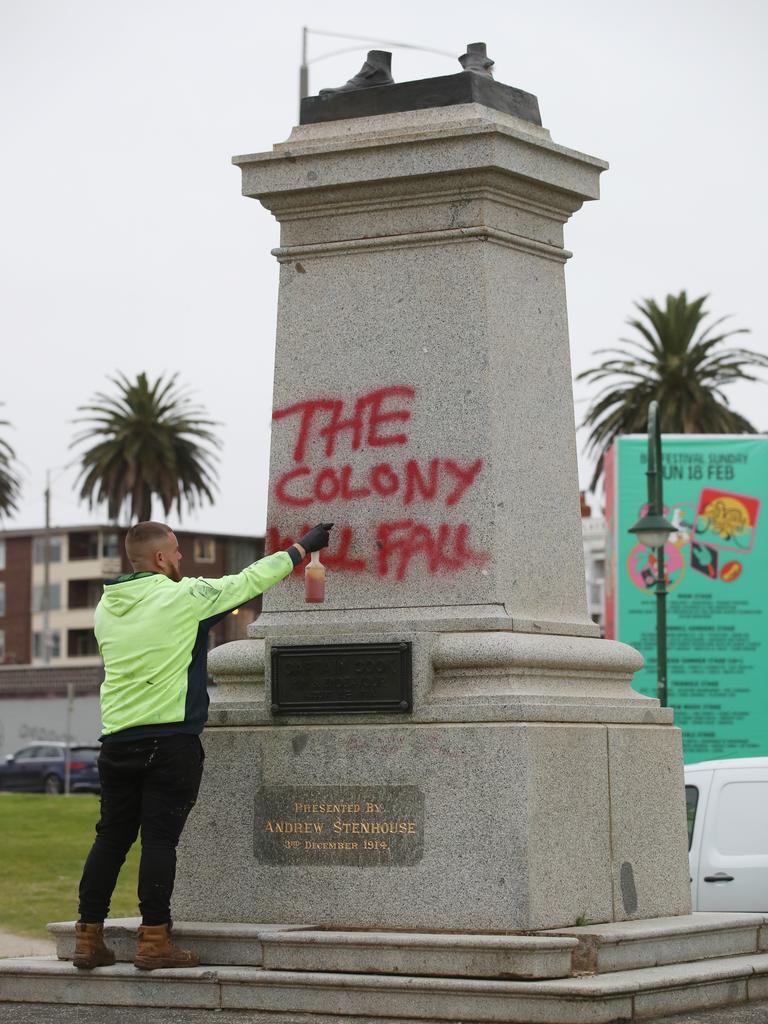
316 538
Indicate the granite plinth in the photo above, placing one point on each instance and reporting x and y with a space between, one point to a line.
444 91
512 834
422 292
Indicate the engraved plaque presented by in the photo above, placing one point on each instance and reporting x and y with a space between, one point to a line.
365 826
338 678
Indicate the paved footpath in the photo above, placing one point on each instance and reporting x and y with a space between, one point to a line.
24 1013
18 945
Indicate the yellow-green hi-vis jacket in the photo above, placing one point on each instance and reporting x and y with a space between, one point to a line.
153 637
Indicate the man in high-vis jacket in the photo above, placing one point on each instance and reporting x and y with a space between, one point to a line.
152 629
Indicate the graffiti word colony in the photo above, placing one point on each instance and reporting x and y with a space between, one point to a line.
376 420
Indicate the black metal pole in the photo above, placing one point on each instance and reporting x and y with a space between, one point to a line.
656 508
303 70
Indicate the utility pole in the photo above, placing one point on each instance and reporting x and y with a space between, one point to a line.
68 746
303 69
47 572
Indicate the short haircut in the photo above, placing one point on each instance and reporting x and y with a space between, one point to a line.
144 538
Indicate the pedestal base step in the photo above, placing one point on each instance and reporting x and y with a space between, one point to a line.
293 948
331 998
216 943
591 949
510 957
627 945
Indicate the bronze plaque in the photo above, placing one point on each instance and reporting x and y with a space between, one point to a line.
341 678
365 826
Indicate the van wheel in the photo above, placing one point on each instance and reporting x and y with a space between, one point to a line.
53 784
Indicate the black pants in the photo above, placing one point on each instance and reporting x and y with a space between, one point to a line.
149 784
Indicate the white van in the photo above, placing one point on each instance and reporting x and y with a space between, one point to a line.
727 804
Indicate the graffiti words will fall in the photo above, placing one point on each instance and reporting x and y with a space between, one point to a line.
444 548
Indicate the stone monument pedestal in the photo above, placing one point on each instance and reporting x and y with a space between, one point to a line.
423 402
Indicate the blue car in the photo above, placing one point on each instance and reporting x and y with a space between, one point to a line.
39 768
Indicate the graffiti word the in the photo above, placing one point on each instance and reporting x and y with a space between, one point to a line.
367 424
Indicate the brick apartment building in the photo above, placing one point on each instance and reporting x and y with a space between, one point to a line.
81 559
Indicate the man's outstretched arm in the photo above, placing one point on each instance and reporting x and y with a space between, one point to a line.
218 596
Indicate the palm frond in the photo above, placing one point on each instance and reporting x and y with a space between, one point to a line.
147 441
10 487
677 362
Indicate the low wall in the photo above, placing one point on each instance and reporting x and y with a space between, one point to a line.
33 705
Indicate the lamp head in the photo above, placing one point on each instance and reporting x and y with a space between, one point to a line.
653 531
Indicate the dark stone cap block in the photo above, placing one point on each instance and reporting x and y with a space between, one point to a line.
465 87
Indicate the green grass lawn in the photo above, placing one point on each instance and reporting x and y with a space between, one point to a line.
44 841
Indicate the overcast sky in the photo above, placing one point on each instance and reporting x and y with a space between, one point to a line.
126 244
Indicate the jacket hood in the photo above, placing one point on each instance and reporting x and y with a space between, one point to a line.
124 593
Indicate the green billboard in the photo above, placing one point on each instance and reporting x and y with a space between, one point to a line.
716 494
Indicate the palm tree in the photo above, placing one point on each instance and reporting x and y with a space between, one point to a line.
677 363
9 484
150 441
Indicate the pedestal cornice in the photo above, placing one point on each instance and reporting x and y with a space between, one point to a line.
432 142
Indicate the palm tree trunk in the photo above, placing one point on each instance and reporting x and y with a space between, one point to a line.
145 509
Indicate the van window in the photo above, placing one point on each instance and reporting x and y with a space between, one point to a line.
742 824
691 803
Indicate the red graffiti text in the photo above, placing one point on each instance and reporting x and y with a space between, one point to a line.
324 420
398 544
443 480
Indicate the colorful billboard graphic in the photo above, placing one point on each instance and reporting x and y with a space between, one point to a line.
716 568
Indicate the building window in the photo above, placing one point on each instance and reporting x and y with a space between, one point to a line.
2 645
111 545
54 545
81 643
2 600
37 597
2 555
204 549
691 803
84 593
83 546
38 647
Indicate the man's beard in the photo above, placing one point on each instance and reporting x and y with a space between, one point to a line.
175 574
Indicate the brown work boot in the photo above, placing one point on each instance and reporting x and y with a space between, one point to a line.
157 950
90 950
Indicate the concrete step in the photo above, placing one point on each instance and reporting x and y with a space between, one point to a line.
593 949
216 943
418 954
596 999
628 945
292 948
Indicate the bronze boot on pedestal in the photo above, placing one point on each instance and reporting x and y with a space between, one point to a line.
377 70
476 59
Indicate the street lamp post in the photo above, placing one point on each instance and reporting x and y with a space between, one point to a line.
654 531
